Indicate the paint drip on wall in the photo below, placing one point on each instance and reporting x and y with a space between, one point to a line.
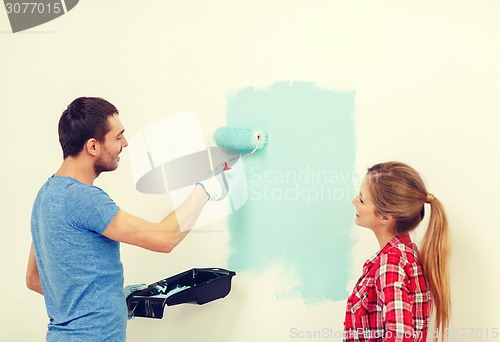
300 186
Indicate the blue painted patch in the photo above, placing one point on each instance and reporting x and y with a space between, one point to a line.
300 186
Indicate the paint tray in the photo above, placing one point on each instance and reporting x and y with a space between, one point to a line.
196 286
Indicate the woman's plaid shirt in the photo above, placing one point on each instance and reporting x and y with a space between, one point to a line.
390 301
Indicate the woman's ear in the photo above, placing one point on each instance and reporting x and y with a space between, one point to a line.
386 220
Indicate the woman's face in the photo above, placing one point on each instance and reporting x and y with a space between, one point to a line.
366 215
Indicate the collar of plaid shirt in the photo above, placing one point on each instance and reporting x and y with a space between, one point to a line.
395 241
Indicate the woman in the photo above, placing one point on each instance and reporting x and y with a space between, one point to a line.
392 299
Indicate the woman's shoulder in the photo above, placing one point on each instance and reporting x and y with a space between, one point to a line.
403 254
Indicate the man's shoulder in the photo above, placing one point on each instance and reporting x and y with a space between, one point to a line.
64 183
67 189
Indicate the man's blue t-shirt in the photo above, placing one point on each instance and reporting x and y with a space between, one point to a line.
80 269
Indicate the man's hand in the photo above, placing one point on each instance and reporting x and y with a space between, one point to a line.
217 186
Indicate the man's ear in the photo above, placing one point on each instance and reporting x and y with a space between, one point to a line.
92 147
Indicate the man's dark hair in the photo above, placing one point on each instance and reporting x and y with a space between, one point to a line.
85 118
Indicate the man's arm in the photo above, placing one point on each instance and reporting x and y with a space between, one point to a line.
32 276
158 237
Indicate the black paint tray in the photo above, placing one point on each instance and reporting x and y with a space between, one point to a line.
196 286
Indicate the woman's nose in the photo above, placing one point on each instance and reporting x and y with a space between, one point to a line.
354 200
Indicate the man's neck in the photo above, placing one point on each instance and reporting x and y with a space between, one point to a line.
78 169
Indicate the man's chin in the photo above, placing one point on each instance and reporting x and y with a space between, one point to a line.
100 169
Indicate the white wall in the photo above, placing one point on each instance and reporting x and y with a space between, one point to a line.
426 77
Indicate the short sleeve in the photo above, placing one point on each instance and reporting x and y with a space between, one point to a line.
91 208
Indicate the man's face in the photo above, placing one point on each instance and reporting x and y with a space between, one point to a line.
114 142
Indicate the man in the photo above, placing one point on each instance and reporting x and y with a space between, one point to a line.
76 229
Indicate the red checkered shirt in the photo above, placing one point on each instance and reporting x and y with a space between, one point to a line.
390 301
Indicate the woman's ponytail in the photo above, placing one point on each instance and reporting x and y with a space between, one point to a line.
434 254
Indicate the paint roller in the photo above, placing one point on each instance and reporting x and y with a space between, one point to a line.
246 140
241 139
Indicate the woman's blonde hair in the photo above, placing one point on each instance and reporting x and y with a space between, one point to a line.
398 190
